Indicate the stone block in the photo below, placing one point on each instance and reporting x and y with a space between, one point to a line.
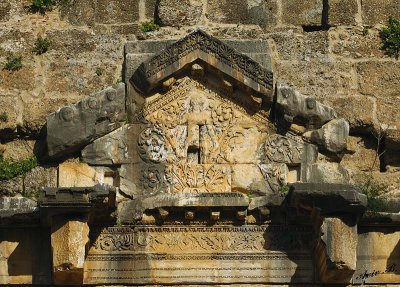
25 256
298 12
248 178
71 174
328 172
359 111
71 127
289 45
178 13
37 178
342 12
296 106
381 80
262 13
356 42
15 41
10 206
111 149
378 255
5 9
117 11
378 11
71 41
11 112
68 241
340 241
319 77
22 79
12 187
18 150
150 8
332 136
80 13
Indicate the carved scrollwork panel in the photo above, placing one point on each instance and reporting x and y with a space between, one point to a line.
283 149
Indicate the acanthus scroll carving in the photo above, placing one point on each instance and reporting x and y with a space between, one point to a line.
283 149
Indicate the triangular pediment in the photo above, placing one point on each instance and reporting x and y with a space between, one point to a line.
198 45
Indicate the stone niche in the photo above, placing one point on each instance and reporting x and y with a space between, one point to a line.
202 169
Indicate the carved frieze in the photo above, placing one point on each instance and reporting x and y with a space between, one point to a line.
283 149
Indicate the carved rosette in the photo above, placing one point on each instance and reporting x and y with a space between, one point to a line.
151 144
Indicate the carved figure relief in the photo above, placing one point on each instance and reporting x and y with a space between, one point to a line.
275 174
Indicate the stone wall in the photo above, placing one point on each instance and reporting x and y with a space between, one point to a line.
326 48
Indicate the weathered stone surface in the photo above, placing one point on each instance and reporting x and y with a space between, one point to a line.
356 43
37 178
359 111
72 174
18 150
12 187
334 76
79 12
68 240
117 11
297 12
5 8
111 149
340 256
378 12
15 41
74 126
329 172
10 113
248 178
25 256
329 198
378 257
332 136
180 13
263 13
342 12
10 206
131 211
295 105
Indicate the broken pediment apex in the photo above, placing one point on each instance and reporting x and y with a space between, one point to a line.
73 126
198 45
295 106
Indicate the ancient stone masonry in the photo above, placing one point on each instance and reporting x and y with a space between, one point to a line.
200 170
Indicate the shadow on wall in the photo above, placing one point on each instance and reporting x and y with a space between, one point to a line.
30 258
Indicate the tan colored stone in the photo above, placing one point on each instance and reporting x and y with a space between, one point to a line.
378 255
298 12
10 114
378 11
356 42
117 11
342 12
37 178
263 13
71 174
18 150
68 242
180 13
22 79
248 178
340 241
317 77
359 111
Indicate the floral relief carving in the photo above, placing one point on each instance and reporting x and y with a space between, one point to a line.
279 148
197 178
152 145
275 174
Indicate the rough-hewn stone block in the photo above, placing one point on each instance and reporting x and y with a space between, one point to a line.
342 12
299 12
379 11
79 12
357 110
117 11
256 12
356 42
10 113
5 8
381 80
179 12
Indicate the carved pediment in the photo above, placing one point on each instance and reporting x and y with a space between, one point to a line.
199 45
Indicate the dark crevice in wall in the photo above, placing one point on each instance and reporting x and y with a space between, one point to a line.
325 15
157 19
324 20
381 153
